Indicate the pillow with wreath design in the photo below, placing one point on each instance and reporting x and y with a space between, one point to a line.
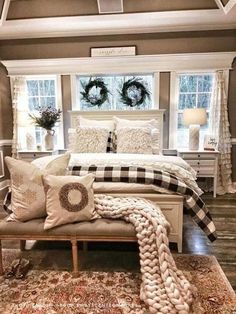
68 199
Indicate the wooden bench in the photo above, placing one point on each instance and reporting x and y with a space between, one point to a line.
106 230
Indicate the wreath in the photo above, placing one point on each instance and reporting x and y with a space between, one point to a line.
97 97
133 92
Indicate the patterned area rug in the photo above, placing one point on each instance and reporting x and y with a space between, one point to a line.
56 292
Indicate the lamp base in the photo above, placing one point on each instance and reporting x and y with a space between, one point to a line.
194 137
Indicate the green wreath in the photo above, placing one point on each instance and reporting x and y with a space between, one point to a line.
133 92
95 100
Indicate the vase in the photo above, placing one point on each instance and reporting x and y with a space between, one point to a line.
49 140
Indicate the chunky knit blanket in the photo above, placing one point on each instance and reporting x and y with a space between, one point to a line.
164 288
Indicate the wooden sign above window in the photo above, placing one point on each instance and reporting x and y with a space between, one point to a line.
113 51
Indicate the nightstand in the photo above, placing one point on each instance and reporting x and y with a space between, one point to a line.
29 155
205 163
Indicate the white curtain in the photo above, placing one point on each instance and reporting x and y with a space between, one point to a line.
19 101
220 129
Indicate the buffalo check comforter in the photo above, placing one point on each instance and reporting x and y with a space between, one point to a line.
141 175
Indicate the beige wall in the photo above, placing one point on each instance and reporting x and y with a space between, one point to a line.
5 115
5 106
45 8
160 43
208 41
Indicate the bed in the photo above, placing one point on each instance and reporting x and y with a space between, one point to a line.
171 203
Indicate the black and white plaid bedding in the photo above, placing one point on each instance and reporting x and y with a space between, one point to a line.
192 202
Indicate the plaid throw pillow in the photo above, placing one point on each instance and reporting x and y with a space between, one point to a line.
110 143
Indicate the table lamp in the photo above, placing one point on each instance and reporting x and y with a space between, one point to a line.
194 118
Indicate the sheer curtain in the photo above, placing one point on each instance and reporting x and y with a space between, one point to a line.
19 102
220 129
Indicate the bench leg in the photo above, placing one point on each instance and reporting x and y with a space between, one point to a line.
1 264
22 245
75 258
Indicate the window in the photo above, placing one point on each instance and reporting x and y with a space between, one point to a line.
41 92
114 84
192 91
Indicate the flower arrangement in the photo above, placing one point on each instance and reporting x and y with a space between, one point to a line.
47 117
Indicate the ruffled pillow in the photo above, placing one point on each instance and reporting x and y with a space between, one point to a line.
88 140
134 140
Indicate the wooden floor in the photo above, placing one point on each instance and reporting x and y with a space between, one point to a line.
223 210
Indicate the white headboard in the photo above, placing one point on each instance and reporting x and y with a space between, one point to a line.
157 114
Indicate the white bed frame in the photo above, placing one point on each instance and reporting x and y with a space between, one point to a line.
171 205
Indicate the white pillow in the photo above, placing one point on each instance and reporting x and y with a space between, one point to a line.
123 123
109 124
134 140
88 140
68 199
28 196
155 141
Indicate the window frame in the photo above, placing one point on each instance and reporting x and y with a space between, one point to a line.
174 98
75 91
58 96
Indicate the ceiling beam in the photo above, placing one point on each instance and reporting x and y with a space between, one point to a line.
112 24
4 11
229 6
226 8
220 5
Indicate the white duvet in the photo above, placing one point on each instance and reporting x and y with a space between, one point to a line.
172 164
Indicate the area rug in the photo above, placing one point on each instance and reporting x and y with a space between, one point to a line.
56 292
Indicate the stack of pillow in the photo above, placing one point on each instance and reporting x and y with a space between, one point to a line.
115 136
49 192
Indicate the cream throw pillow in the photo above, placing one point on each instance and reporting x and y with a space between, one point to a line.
69 199
88 140
28 196
134 140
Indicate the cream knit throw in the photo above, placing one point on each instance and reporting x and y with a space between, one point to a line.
164 288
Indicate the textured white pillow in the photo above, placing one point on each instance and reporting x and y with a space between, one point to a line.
28 196
134 140
88 140
109 124
123 123
155 141
69 199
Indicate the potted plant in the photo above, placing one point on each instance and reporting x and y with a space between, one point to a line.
47 118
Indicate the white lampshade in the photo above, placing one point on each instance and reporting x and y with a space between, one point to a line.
195 116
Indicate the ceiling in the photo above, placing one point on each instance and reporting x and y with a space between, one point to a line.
62 18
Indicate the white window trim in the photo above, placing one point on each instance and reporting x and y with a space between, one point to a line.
174 83
58 100
156 87
116 65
